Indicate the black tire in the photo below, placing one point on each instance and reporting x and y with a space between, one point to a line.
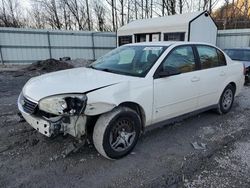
226 100
122 125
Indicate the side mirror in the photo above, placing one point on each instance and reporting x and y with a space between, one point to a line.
168 71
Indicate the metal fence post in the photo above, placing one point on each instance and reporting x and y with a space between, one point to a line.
1 55
93 45
49 45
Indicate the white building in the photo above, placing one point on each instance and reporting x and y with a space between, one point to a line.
195 27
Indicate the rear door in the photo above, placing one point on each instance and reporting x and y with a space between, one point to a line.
212 74
177 94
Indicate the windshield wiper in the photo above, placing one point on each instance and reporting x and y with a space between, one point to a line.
112 71
108 70
104 69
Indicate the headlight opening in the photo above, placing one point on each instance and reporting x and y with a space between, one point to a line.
64 104
74 105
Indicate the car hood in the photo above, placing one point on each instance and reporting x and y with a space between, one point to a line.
77 80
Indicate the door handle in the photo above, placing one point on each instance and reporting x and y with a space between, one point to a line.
222 73
195 79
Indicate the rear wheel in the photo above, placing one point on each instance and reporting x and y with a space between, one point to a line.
226 99
117 132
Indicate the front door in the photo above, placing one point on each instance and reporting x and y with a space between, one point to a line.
177 94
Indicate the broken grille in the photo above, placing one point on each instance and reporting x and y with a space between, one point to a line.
29 106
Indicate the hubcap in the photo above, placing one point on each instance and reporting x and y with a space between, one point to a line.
122 135
227 99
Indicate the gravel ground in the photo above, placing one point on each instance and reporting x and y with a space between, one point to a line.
163 157
229 167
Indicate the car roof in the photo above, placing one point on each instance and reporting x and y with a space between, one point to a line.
165 43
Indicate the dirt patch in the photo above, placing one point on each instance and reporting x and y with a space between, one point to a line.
79 62
49 65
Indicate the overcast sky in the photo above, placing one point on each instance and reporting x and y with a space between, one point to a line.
26 3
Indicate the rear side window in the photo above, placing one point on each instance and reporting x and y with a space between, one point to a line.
209 57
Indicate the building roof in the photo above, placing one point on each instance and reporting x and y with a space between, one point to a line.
144 25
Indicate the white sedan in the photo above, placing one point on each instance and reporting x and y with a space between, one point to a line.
132 87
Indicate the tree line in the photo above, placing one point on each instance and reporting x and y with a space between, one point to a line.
233 15
101 15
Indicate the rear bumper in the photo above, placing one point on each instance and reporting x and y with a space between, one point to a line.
239 85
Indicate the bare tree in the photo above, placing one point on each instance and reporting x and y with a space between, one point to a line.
88 15
122 11
142 9
108 14
67 22
171 7
180 6
151 9
128 11
246 8
76 10
10 14
136 10
163 6
52 13
205 4
100 14
112 4
116 15
146 9
37 16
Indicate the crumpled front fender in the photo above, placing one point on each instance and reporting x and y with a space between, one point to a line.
98 108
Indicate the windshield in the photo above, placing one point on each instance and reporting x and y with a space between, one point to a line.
129 60
238 54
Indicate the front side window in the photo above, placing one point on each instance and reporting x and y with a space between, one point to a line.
208 57
181 58
129 60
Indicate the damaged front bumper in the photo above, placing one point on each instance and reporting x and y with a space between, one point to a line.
48 126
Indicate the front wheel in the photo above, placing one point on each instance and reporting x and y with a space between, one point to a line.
226 99
116 133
